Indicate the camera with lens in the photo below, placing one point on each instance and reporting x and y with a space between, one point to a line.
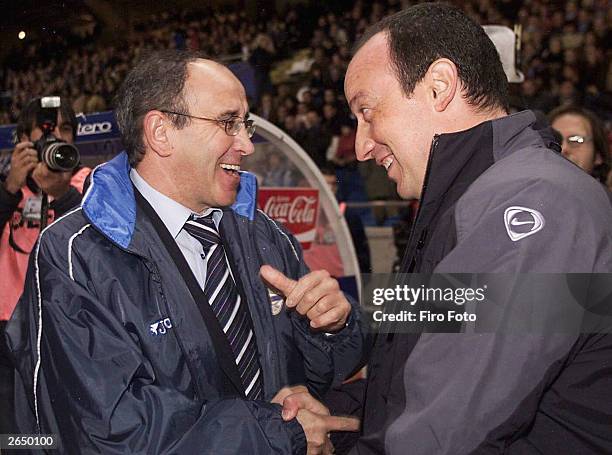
58 155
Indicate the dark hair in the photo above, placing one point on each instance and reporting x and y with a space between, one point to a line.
27 117
155 82
421 34
600 140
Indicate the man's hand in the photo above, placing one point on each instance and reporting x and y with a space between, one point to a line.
316 435
302 400
317 439
314 418
55 184
316 296
290 410
23 160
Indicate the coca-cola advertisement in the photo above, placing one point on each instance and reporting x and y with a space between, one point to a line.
296 208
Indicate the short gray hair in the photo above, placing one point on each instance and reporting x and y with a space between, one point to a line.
155 82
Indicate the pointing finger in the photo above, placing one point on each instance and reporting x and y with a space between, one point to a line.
277 279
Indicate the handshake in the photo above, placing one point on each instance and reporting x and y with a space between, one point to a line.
314 418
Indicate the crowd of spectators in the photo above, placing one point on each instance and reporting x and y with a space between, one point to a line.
89 71
565 57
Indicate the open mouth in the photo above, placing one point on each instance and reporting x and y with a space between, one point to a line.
232 169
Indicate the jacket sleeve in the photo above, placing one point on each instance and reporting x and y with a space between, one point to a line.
472 392
88 380
346 346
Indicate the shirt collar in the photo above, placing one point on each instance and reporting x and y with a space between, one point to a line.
172 214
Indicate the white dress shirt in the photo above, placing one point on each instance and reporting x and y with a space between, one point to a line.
174 216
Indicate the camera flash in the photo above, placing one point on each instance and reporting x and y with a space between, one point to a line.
50 102
21 35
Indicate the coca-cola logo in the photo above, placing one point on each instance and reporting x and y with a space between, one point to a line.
296 208
299 210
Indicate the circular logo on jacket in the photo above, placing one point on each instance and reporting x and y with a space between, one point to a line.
522 222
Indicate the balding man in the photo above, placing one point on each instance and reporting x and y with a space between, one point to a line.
146 326
430 96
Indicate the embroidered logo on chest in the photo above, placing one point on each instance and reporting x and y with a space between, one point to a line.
276 302
161 327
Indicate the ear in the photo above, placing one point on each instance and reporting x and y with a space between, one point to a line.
155 128
444 80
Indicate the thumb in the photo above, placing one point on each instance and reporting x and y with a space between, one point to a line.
277 279
290 410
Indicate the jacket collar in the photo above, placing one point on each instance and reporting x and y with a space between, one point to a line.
520 130
109 203
457 159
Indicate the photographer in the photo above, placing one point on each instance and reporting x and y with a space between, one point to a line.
25 188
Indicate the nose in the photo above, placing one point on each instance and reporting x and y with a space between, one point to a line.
243 143
363 144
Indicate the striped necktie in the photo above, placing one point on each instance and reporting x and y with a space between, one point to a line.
232 313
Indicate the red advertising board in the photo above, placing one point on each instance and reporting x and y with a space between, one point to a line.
296 208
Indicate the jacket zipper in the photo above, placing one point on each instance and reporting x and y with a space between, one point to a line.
274 340
152 267
421 242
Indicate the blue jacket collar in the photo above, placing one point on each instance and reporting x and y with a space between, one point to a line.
110 206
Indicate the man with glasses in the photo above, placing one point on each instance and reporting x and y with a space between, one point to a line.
147 326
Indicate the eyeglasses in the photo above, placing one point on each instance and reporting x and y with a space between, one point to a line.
576 140
232 126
